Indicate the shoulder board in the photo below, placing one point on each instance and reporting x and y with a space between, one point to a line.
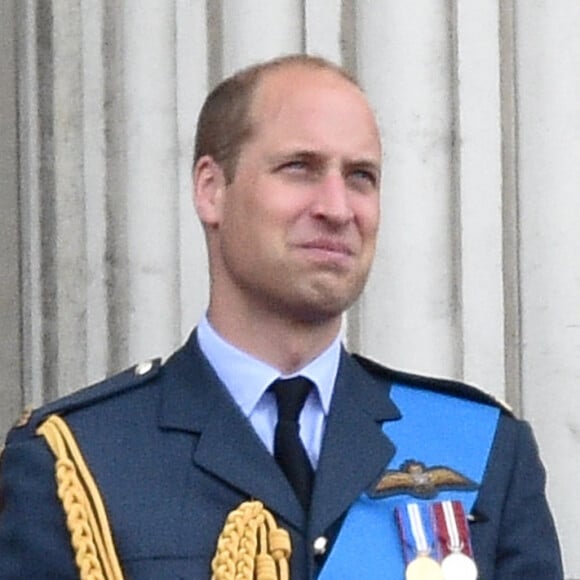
440 385
113 386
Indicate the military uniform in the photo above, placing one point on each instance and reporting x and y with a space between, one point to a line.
172 455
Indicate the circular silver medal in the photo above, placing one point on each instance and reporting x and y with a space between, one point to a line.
458 566
424 568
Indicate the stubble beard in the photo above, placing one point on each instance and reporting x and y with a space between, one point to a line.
317 302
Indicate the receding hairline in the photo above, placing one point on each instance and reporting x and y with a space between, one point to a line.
261 89
315 67
304 61
237 112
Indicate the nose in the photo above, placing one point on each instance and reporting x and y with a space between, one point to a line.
332 200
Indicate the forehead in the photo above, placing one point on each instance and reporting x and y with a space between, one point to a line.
313 107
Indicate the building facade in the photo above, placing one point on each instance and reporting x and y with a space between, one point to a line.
477 275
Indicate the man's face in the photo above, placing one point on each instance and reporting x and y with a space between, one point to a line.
294 232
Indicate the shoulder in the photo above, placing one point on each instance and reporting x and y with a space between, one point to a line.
435 384
123 383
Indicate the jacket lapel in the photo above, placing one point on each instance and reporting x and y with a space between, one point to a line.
194 400
355 450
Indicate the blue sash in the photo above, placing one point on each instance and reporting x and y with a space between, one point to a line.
436 430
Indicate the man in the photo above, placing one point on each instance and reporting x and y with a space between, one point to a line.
136 477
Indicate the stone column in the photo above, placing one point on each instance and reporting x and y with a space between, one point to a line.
409 315
548 65
11 396
476 275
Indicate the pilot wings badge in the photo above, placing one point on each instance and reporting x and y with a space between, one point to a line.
419 481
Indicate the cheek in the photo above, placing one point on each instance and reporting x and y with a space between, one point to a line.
240 213
253 230
367 212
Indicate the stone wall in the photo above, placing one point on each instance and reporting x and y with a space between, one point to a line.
477 274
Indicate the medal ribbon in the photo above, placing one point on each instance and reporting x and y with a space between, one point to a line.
452 528
416 530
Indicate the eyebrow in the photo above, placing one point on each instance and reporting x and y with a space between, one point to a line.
306 154
365 164
317 156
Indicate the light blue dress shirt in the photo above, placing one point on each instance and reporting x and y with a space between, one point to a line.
247 379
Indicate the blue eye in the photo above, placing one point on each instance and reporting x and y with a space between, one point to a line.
364 175
295 165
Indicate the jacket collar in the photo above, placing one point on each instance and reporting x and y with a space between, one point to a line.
354 449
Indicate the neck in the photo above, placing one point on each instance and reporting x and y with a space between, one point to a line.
284 343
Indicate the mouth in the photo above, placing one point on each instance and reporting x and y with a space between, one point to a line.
327 248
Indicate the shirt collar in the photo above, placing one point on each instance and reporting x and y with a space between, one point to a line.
247 377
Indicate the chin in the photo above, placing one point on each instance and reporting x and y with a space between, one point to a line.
323 309
315 300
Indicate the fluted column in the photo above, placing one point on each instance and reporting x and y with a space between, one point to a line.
11 396
548 61
151 176
478 167
324 29
192 84
409 315
254 30
476 275
106 128
52 198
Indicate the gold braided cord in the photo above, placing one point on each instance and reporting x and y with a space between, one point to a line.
251 546
86 518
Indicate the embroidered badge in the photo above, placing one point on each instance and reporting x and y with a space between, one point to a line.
419 481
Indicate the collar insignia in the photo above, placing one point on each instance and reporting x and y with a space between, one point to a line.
419 481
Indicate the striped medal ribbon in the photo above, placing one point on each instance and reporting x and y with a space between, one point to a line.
454 541
417 535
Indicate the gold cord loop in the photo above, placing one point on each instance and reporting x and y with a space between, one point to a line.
251 546
86 518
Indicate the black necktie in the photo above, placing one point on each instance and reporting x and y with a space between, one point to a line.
289 451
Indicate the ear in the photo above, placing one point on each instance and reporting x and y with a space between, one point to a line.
209 186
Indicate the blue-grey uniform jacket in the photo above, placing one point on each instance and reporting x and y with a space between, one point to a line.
172 455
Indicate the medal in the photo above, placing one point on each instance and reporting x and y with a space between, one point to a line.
454 541
417 539
458 566
424 568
